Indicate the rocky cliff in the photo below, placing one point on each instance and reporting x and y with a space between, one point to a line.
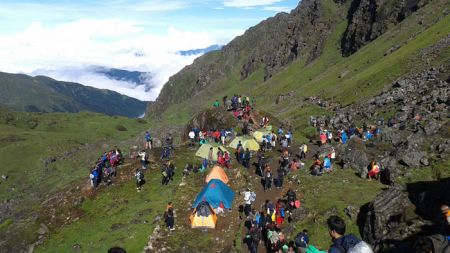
368 19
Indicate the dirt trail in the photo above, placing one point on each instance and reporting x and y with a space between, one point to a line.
274 194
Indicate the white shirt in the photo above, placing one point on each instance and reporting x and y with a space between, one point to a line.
191 134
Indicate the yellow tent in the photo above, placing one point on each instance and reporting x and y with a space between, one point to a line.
258 135
203 216
247 142
203 151
217 173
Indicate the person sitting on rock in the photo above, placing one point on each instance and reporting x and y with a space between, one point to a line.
327 164
374 171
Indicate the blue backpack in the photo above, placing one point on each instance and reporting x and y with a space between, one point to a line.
282 212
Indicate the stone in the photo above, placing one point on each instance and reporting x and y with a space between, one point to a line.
352 212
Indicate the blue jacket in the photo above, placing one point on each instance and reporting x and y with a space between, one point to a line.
346 241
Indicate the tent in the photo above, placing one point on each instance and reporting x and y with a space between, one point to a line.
259 134
217 173
215 192
203 216
247 142
203 151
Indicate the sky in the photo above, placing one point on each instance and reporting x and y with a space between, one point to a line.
66 39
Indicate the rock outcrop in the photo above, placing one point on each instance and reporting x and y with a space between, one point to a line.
368 19
397 215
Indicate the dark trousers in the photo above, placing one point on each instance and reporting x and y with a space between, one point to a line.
165 180
267 183
170 222
247 209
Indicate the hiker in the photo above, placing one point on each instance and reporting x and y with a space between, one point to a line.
374 171
280 211
94 178
216 104
223 136
144 158
303 150
165 153
246 158
291 198
169 141
249 198
344 137
267 178
192 138
261 162
289 137
344 243
332 155
253 237
302 241
284 143
329 136
210 156
167 173
295 165
323 138
169 217
431 244
139 179
148 140
278 181
227 160
224 100
239 152
327 164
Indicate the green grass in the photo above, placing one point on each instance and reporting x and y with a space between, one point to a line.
70 143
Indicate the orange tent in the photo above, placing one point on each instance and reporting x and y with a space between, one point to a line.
217 173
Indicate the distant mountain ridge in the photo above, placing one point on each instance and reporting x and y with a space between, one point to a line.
200 50
137 77
43 94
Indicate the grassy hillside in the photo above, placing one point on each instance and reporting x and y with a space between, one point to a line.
43 94
345 80
43 154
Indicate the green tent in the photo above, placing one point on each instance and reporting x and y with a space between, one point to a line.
203 151
246 141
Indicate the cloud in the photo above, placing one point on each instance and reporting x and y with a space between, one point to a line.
68 51
277 8
248 3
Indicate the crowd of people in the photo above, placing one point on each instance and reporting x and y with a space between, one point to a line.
105 168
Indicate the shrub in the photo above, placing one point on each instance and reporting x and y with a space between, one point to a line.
121 128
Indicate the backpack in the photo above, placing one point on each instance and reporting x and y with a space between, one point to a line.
301 240
282 212
360 247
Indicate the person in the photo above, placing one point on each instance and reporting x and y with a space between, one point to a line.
302 241
249 198
192 138
139 179
343 243
148 140
169 217
280 212
267 178
323 137
169 141
216 104
303 150
431 244
280 178
327 164
227 160
239 152
246 158
144 158
344 137
253 238
224 100
94 178
210 156
284 143
332 155
374 170
117 250
168 173
291 197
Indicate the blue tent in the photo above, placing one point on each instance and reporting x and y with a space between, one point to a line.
214 193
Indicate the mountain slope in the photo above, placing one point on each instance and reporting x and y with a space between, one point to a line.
43 94
303 52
